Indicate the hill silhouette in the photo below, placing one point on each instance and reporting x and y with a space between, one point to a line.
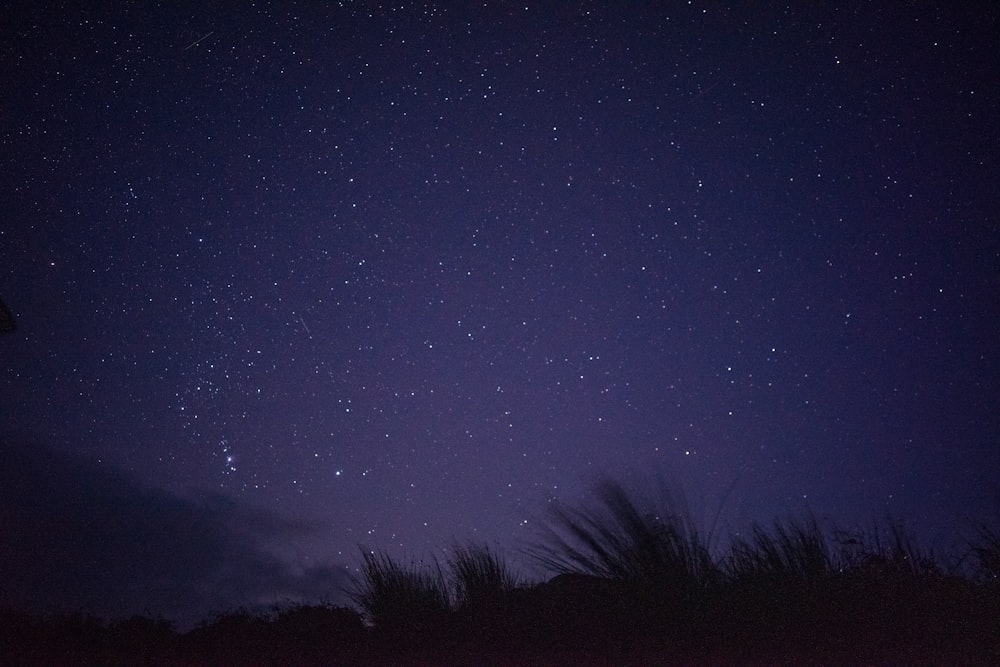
635 584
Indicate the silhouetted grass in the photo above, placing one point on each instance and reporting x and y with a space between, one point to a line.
787 584
894 552
479 576
636 564
635 584
625 538
774 578
986 550
794 549
400 599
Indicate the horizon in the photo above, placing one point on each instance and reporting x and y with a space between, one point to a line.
197 541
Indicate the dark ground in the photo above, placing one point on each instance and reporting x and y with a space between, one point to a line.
571 620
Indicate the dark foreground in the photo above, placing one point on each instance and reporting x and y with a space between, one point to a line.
571 620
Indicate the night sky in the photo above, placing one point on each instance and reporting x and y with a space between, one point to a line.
290 279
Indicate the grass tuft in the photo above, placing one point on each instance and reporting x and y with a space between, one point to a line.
624 538
794 549
894 553
479 576
394 597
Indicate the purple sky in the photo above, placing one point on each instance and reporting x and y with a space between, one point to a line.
321 277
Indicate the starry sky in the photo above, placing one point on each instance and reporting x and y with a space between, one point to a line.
289 278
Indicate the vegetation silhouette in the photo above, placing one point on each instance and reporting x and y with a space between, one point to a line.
480 576
985 548
406 603
635 584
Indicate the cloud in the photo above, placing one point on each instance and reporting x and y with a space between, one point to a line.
77 535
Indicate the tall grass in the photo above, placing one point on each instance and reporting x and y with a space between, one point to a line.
793 549
479 576
397 597
774 578
394 597
625 538
894 552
